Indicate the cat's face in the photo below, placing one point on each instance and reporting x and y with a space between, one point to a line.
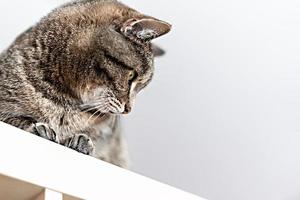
119 55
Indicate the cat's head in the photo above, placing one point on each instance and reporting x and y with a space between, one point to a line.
110 53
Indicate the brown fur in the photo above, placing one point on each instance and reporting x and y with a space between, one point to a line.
74 72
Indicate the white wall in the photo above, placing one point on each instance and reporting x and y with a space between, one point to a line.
221 118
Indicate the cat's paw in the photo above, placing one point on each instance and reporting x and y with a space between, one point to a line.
44 131
82 143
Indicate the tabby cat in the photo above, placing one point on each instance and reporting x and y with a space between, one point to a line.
70 77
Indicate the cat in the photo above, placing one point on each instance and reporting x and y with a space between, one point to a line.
70 77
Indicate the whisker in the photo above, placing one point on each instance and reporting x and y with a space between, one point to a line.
93 108
90 108
99 110
100 115
114 105
92 116
92 105
116 101
101 102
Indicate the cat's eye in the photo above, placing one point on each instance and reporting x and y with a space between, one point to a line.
132 75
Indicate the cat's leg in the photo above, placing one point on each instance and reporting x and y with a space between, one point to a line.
44 131
81 143
30 125
23 122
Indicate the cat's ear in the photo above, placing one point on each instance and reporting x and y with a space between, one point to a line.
145 29
157 51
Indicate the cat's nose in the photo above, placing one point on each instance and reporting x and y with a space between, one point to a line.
127 109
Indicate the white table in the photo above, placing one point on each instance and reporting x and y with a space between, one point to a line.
34 168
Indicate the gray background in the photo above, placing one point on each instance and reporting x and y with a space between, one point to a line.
221 118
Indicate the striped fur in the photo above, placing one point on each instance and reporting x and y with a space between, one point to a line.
75 72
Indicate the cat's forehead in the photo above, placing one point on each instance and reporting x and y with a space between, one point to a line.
139 58
100 11
102 21
131 54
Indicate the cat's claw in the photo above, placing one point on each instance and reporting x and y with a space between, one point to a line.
44 131
82 143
